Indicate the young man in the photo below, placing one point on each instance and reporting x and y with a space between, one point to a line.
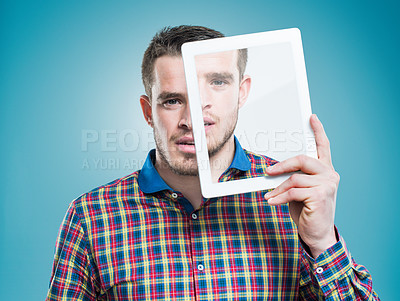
152 236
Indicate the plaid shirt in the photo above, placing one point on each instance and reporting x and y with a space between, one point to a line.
137 239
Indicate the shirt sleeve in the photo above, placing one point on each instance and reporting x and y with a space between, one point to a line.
334 275
71 277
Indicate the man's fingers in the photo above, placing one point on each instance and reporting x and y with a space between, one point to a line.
291 195
296 180
322 141
302 162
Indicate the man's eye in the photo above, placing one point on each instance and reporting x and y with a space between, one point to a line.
218 82
171 102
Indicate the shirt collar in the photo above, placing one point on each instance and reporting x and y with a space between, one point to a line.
150 181
240 160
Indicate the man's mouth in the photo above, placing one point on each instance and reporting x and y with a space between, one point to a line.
185 141
208 123
186 145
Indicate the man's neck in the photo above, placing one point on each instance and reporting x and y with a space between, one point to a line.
189 186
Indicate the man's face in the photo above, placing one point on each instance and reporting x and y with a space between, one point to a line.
221 93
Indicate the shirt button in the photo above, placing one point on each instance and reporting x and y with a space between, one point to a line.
200 267
194 215
319 270
174 195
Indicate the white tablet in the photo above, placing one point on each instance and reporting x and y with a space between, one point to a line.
274 113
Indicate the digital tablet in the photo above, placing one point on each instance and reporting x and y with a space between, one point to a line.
273 118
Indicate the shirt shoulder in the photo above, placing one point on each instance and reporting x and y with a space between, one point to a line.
111 195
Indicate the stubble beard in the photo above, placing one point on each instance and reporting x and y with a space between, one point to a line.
188 166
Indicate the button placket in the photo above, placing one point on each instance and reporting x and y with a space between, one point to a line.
197 246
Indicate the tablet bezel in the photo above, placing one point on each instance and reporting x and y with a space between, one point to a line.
189 52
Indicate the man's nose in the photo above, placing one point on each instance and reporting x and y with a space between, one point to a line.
205 98
185 120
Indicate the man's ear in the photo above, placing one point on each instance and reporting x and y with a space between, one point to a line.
146 108
244 90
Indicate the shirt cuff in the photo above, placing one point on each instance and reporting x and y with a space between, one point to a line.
331 265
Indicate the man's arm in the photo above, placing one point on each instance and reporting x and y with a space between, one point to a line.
328 271
71 278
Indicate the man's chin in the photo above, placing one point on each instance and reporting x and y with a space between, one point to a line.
185 172
185 168
185 165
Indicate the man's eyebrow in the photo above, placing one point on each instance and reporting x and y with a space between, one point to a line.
168 95
219 75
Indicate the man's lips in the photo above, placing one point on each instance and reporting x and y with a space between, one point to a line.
185 140
208 121
208 124
186 143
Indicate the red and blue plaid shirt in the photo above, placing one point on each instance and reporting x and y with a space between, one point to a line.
137 239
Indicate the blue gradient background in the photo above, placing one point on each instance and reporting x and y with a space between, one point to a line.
75 65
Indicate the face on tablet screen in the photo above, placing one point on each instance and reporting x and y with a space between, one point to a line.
254 90
223 91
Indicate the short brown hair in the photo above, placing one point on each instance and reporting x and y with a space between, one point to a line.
169 40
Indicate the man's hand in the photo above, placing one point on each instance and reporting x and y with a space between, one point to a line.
312 195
